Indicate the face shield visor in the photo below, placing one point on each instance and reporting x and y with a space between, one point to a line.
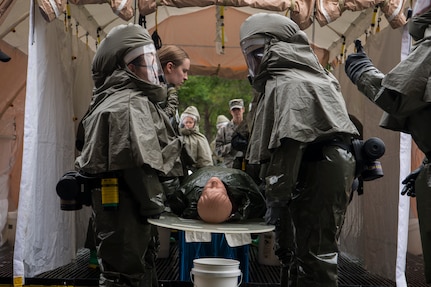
147 62
253 49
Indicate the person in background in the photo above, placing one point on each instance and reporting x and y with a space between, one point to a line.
176 65
232 158
195 142
129 149
222 121
404 94
239 142
300 135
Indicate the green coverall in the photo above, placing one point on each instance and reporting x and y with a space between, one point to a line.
300 134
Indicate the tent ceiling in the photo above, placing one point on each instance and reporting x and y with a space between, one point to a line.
193 28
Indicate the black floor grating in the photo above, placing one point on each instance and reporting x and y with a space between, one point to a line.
77 273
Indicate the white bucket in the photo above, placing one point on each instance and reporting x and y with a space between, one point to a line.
215 272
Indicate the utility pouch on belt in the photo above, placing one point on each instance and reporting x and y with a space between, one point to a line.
110 193
314 151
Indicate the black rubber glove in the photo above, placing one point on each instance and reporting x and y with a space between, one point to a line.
409 182
357 63
174 197
239 142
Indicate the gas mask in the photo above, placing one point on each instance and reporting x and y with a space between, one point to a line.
367 154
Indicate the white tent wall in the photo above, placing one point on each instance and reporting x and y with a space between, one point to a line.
48 237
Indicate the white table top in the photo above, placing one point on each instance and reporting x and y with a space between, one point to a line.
169 220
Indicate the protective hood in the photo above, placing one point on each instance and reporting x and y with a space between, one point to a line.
302 101
268 25
273 28
118 42
221 119
193 112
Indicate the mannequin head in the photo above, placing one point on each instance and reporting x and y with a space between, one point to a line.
214 205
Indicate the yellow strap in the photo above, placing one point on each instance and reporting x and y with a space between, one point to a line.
343 47
18 281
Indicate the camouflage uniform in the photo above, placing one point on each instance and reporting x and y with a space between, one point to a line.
224 147
232 158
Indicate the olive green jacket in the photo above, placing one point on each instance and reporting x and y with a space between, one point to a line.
126 128
411 112
300 100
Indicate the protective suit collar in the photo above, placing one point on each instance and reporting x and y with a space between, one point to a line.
281 55
123 79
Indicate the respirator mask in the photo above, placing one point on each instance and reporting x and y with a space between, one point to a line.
367 154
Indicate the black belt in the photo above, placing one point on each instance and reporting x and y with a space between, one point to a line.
314 150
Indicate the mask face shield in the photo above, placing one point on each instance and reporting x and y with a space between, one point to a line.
147 63
253 49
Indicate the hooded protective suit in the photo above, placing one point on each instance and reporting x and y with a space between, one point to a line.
300 135
221 122
129 144
195 142
404 94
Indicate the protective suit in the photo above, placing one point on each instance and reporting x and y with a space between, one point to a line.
300 134
129 147
195 142
221 122
404 94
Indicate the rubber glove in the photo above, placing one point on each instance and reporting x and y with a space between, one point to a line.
239 142
358 63
409 182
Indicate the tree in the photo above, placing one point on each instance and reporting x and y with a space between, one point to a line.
211 95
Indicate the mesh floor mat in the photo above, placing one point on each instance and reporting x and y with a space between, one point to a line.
78 273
